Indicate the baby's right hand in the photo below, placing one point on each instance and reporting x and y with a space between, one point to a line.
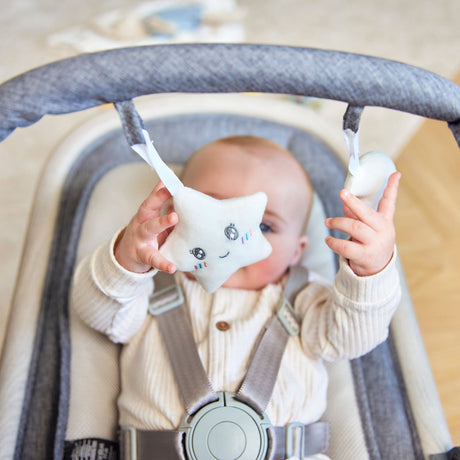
137 246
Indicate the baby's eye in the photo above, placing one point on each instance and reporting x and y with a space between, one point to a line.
231 232
265 228
199 253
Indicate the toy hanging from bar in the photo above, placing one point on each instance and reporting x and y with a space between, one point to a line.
213 238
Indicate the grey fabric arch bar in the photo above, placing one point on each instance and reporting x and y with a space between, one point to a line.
119 75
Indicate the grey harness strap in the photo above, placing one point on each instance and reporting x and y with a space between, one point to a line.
282 442
257 387
193 382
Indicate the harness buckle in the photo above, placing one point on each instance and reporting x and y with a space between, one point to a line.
165 299
288 317
295 443
226 429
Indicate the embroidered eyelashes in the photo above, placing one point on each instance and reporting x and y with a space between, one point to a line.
200 254
232 233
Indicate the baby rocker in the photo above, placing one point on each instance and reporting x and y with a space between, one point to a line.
381 406
225 426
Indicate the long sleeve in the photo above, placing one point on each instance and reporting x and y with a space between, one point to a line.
109 298
353 318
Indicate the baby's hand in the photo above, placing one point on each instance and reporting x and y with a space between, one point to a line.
137 247
372 232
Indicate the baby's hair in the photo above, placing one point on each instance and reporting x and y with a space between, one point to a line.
247 142
260 146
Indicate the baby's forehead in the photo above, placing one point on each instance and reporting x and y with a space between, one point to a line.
255 148
256 154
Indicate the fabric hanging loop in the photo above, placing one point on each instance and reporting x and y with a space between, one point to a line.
139 140
351 120
131 121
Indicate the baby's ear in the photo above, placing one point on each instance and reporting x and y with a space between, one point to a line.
302 244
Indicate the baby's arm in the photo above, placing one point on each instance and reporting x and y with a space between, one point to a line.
372 233
137 247
353 317
109 298
111 286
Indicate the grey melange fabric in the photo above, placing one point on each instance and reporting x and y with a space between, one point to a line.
120 75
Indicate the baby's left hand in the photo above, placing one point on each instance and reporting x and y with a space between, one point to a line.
372 233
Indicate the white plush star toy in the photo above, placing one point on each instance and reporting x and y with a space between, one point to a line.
213 238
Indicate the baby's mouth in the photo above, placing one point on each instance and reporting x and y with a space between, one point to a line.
223 257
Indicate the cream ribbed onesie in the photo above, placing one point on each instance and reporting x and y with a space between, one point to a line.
342 322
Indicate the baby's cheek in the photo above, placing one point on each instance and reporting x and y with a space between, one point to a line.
271 268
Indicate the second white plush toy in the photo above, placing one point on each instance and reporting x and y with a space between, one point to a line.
367 174
370 179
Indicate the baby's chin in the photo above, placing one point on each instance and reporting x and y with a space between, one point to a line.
236 281
244 279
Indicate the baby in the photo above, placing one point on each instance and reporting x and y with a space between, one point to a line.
111 289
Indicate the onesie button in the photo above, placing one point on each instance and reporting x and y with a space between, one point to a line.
222 325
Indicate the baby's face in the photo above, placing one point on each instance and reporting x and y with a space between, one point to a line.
224 170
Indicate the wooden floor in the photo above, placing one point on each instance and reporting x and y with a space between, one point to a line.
428 237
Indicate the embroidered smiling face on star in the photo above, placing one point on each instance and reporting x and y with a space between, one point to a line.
214 238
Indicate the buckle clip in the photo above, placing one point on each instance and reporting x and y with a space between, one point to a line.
128 443
166 299
295 442
288 317
226 429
